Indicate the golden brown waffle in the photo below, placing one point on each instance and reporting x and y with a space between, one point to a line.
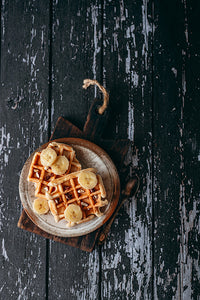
41 175
68 191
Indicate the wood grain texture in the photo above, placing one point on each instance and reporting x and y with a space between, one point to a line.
23 126
176 151
76 46
85 243
152 74
76 55
126 256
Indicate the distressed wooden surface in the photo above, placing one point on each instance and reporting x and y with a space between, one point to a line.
23 127
176 151
76 44
126 262
147 54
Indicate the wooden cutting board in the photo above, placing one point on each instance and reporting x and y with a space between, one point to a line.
117 149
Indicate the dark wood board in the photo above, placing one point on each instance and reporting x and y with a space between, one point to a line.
23 127
76 46
118 149
85 243
147 54
176 146
126 263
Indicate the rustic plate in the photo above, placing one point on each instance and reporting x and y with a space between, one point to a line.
89 155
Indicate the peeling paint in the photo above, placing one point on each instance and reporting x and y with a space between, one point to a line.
4 252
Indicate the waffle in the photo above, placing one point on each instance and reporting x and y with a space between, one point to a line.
69 191
41 175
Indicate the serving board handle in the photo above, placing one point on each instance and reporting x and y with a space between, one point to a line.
95 123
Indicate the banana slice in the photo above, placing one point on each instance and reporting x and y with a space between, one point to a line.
41 206
73 213
60 166
48 157
87 179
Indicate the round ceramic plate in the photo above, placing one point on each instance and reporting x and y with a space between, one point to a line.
90 156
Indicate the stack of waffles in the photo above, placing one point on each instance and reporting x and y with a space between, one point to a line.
62 187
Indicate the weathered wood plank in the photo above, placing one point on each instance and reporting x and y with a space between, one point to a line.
126 256
23 127
76 46
176 150
75 56
123 267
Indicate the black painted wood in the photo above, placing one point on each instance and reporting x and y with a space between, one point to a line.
76 46
147 54
23 127
127 75
176 150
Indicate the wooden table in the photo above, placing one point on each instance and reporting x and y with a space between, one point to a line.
147 55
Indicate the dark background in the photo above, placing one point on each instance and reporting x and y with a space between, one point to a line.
146 53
